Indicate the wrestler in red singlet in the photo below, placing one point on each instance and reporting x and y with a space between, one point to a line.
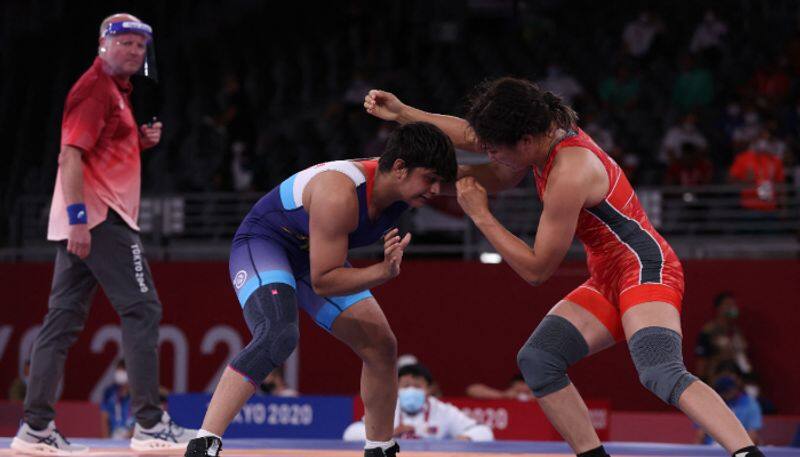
629 262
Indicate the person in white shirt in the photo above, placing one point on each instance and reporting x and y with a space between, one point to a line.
708 33
686 132
418 415
639 34
561 83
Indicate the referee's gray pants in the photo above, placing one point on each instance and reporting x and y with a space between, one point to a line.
116 261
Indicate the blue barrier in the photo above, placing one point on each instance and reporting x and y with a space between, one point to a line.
272 417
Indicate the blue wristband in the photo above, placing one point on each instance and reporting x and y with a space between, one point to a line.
77 214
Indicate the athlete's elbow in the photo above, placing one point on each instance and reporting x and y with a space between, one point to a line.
320 288
536 278
319 284
534 281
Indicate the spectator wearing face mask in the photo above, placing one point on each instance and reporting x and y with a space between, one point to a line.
743 405
721 346
116 406
419 415
760 171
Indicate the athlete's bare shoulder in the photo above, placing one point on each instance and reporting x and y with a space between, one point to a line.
580 167
333 195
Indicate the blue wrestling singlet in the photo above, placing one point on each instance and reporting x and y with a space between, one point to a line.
271 244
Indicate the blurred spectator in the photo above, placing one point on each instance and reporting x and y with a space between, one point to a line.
516 390
691 168
406 360
760 170
235 113
721 346
769 140
639 34
420 416
771 82
621 91
561 83
300 103
434 389
116 406
694 87
275 385
751 386
686 132
745 407
730 120
708 34
600 134
19 386
241 167
747 132
202 151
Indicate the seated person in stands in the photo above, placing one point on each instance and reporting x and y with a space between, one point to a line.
115 408
421 416
746 408
517 389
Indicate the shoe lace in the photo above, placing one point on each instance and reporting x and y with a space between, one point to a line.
51 439
168 433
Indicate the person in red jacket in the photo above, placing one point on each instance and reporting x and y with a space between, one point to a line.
761 172
93 220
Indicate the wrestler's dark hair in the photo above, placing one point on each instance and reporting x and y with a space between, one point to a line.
501 111
421 145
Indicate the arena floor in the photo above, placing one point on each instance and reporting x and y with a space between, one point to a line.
334 448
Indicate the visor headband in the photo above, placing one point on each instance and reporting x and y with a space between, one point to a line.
116 28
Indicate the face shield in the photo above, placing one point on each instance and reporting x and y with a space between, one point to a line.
128 49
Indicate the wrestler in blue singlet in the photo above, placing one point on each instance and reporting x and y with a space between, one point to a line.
271 244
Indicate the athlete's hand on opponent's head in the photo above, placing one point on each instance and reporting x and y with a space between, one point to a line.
79 240
383 105
393 248
472 196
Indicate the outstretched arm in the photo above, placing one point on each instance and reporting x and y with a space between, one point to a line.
494 177
386 106
333 213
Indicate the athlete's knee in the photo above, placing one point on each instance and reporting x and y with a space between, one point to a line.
271 315
380 348
656 353
553 347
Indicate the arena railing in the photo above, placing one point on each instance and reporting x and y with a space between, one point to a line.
699 221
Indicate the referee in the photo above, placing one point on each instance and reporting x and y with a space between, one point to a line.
93 219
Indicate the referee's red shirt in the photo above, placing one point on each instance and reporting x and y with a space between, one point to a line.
98 120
